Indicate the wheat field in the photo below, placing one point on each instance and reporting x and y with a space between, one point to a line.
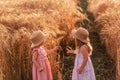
18 19
107 20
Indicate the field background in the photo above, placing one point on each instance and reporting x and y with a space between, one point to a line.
19 18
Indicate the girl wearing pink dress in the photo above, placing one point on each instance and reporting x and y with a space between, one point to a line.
83 68
41 69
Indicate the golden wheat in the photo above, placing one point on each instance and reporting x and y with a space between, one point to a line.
107 18
18 19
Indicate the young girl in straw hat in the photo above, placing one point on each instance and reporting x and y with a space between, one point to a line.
41 69
83 68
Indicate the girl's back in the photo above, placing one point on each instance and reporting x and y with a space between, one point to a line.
88 71
43 62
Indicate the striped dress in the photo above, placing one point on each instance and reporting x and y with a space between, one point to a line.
88 71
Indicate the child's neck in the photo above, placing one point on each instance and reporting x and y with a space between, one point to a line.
78 47
41 46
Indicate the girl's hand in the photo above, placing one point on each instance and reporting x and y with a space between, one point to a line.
79 70
40 69
69 50
56 48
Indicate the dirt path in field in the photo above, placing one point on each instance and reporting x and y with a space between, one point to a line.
104 66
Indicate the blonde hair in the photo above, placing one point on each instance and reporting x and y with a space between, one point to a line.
90 48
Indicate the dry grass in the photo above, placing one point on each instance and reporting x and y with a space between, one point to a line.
107 19
18 19
97 6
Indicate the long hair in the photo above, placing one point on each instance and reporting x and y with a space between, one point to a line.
80 43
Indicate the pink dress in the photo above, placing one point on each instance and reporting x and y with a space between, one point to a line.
43 61
88 71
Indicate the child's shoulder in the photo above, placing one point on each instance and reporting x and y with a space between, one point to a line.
83 48
35 50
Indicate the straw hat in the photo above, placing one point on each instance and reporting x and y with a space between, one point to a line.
81 34
37 38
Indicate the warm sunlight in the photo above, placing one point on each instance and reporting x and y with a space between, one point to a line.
19 19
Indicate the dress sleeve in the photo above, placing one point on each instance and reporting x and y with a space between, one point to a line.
34 51
43 51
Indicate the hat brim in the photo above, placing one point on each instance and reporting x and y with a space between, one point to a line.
73 32
79 38
35 45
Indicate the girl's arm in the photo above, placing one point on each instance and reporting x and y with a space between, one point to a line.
34 59
71 51
52 50
84 52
